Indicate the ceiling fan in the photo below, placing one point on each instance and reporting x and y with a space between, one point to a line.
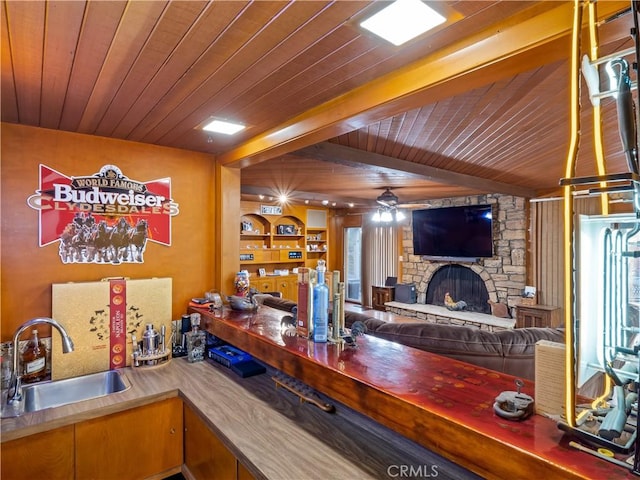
388 207
390 200
387 198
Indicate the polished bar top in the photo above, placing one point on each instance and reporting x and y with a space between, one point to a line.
443 404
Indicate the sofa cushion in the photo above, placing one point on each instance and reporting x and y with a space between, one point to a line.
522 341
279 303
440 338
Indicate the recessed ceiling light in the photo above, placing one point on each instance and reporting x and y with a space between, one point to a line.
221 126
403 20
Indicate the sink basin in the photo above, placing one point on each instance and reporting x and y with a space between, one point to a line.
70 390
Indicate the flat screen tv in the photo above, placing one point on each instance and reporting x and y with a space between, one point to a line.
459 232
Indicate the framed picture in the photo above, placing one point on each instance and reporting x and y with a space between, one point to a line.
270 209
286 229
247 226
262 272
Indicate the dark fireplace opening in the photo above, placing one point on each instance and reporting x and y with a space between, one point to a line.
461 283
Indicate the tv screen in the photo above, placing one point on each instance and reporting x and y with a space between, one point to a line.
463 232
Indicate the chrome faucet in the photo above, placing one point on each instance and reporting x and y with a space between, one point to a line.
14 395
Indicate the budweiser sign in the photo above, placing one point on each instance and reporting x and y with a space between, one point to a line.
102 218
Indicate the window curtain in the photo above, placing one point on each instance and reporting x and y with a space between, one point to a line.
379 256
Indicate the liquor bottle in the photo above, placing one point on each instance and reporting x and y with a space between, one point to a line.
196 340
302 323
320 306
34 360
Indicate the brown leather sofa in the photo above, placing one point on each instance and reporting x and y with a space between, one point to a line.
507 351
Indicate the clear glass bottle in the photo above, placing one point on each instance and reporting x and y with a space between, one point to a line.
196 340
34 360
320 305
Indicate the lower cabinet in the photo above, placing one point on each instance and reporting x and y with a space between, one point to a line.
205 456
286 285
135 444
152 441
44 455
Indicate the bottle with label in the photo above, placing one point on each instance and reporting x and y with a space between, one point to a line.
320 305
34 360
196 340
242 283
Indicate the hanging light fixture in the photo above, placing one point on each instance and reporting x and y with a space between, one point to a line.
387 215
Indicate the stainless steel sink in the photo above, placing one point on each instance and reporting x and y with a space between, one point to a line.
63 392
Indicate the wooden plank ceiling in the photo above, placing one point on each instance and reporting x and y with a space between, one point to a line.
479 105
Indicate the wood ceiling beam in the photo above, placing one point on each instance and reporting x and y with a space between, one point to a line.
513 46
331 152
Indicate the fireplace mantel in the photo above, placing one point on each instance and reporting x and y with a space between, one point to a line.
436 314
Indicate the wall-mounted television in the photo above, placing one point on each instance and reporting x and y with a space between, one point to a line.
458 232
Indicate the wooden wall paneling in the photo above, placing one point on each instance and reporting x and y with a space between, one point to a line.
27 39
138 22
547 226
547 252
28 270
213 70
156 31
226 214
8 102
64 23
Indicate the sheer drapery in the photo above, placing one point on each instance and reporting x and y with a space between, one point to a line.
379 256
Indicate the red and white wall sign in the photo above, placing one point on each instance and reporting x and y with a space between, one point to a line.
102 218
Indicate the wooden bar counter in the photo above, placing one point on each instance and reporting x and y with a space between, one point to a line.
442 404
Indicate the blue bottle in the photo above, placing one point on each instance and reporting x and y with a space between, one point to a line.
320 306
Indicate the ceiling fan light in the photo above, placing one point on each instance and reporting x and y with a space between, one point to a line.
376 216
399 216
386 216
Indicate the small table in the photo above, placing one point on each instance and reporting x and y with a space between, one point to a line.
380 296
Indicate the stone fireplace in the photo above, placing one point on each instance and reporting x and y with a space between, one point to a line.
462 283
500 278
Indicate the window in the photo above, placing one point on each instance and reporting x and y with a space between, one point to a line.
353 263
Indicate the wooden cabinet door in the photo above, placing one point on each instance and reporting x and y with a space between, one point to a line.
205 456
288 287
43 455
264 284
133 444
